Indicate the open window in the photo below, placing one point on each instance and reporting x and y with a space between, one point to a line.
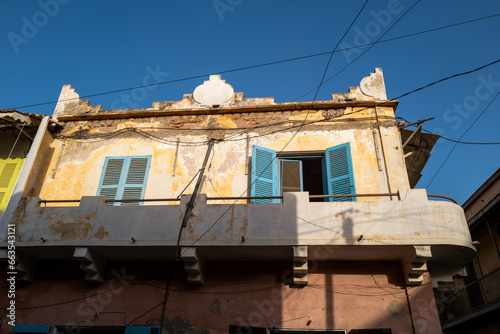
124 178
319 173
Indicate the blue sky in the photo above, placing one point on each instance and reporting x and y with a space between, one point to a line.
100 46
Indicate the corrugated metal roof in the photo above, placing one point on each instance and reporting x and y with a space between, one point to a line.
11 117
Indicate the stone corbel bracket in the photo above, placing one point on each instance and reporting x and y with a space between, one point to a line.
194 265
418 266
91 263
300 267
24 267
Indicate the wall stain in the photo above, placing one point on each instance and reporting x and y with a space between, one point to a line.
215 307
101 234
71 231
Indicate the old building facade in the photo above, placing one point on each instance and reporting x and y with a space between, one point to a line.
303 218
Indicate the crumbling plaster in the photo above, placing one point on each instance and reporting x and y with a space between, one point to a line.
79 167
74 170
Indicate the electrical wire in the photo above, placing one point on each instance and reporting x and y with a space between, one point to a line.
232 205
202 143
454 146
464 142
352 62
343 291
452 140
151 309
70 301
289 141
282 321
377 105
335 49
380 104
267 64
451 77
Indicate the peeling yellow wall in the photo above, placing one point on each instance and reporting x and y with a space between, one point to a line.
74 169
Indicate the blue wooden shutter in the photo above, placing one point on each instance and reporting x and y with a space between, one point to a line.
110 178
142 330
340 177
124 178
135 182
263 174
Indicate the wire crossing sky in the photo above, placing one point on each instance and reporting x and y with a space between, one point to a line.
131 47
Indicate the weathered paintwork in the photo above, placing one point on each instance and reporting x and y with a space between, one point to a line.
400 235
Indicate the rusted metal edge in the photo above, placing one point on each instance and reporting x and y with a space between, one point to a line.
45 201
443 196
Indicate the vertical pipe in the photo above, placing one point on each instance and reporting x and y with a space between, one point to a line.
410 311
197 186
246 154
176 155
383 152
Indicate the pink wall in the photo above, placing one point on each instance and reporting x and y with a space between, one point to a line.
342 295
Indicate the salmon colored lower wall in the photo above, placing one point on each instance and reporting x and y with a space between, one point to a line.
341 295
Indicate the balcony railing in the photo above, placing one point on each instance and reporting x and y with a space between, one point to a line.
176 199
476 298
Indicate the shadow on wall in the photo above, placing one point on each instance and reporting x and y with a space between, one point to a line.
43 174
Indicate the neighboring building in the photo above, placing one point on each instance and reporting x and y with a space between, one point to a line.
471 303
103 198
17 131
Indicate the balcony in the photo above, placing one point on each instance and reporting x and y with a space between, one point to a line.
421 234
478 300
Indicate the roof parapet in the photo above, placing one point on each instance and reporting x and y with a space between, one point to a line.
215 93
370 88
70 103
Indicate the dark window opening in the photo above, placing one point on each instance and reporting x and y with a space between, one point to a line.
473 290
329 172
303 174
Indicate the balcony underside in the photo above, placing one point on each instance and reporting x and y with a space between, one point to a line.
405 229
